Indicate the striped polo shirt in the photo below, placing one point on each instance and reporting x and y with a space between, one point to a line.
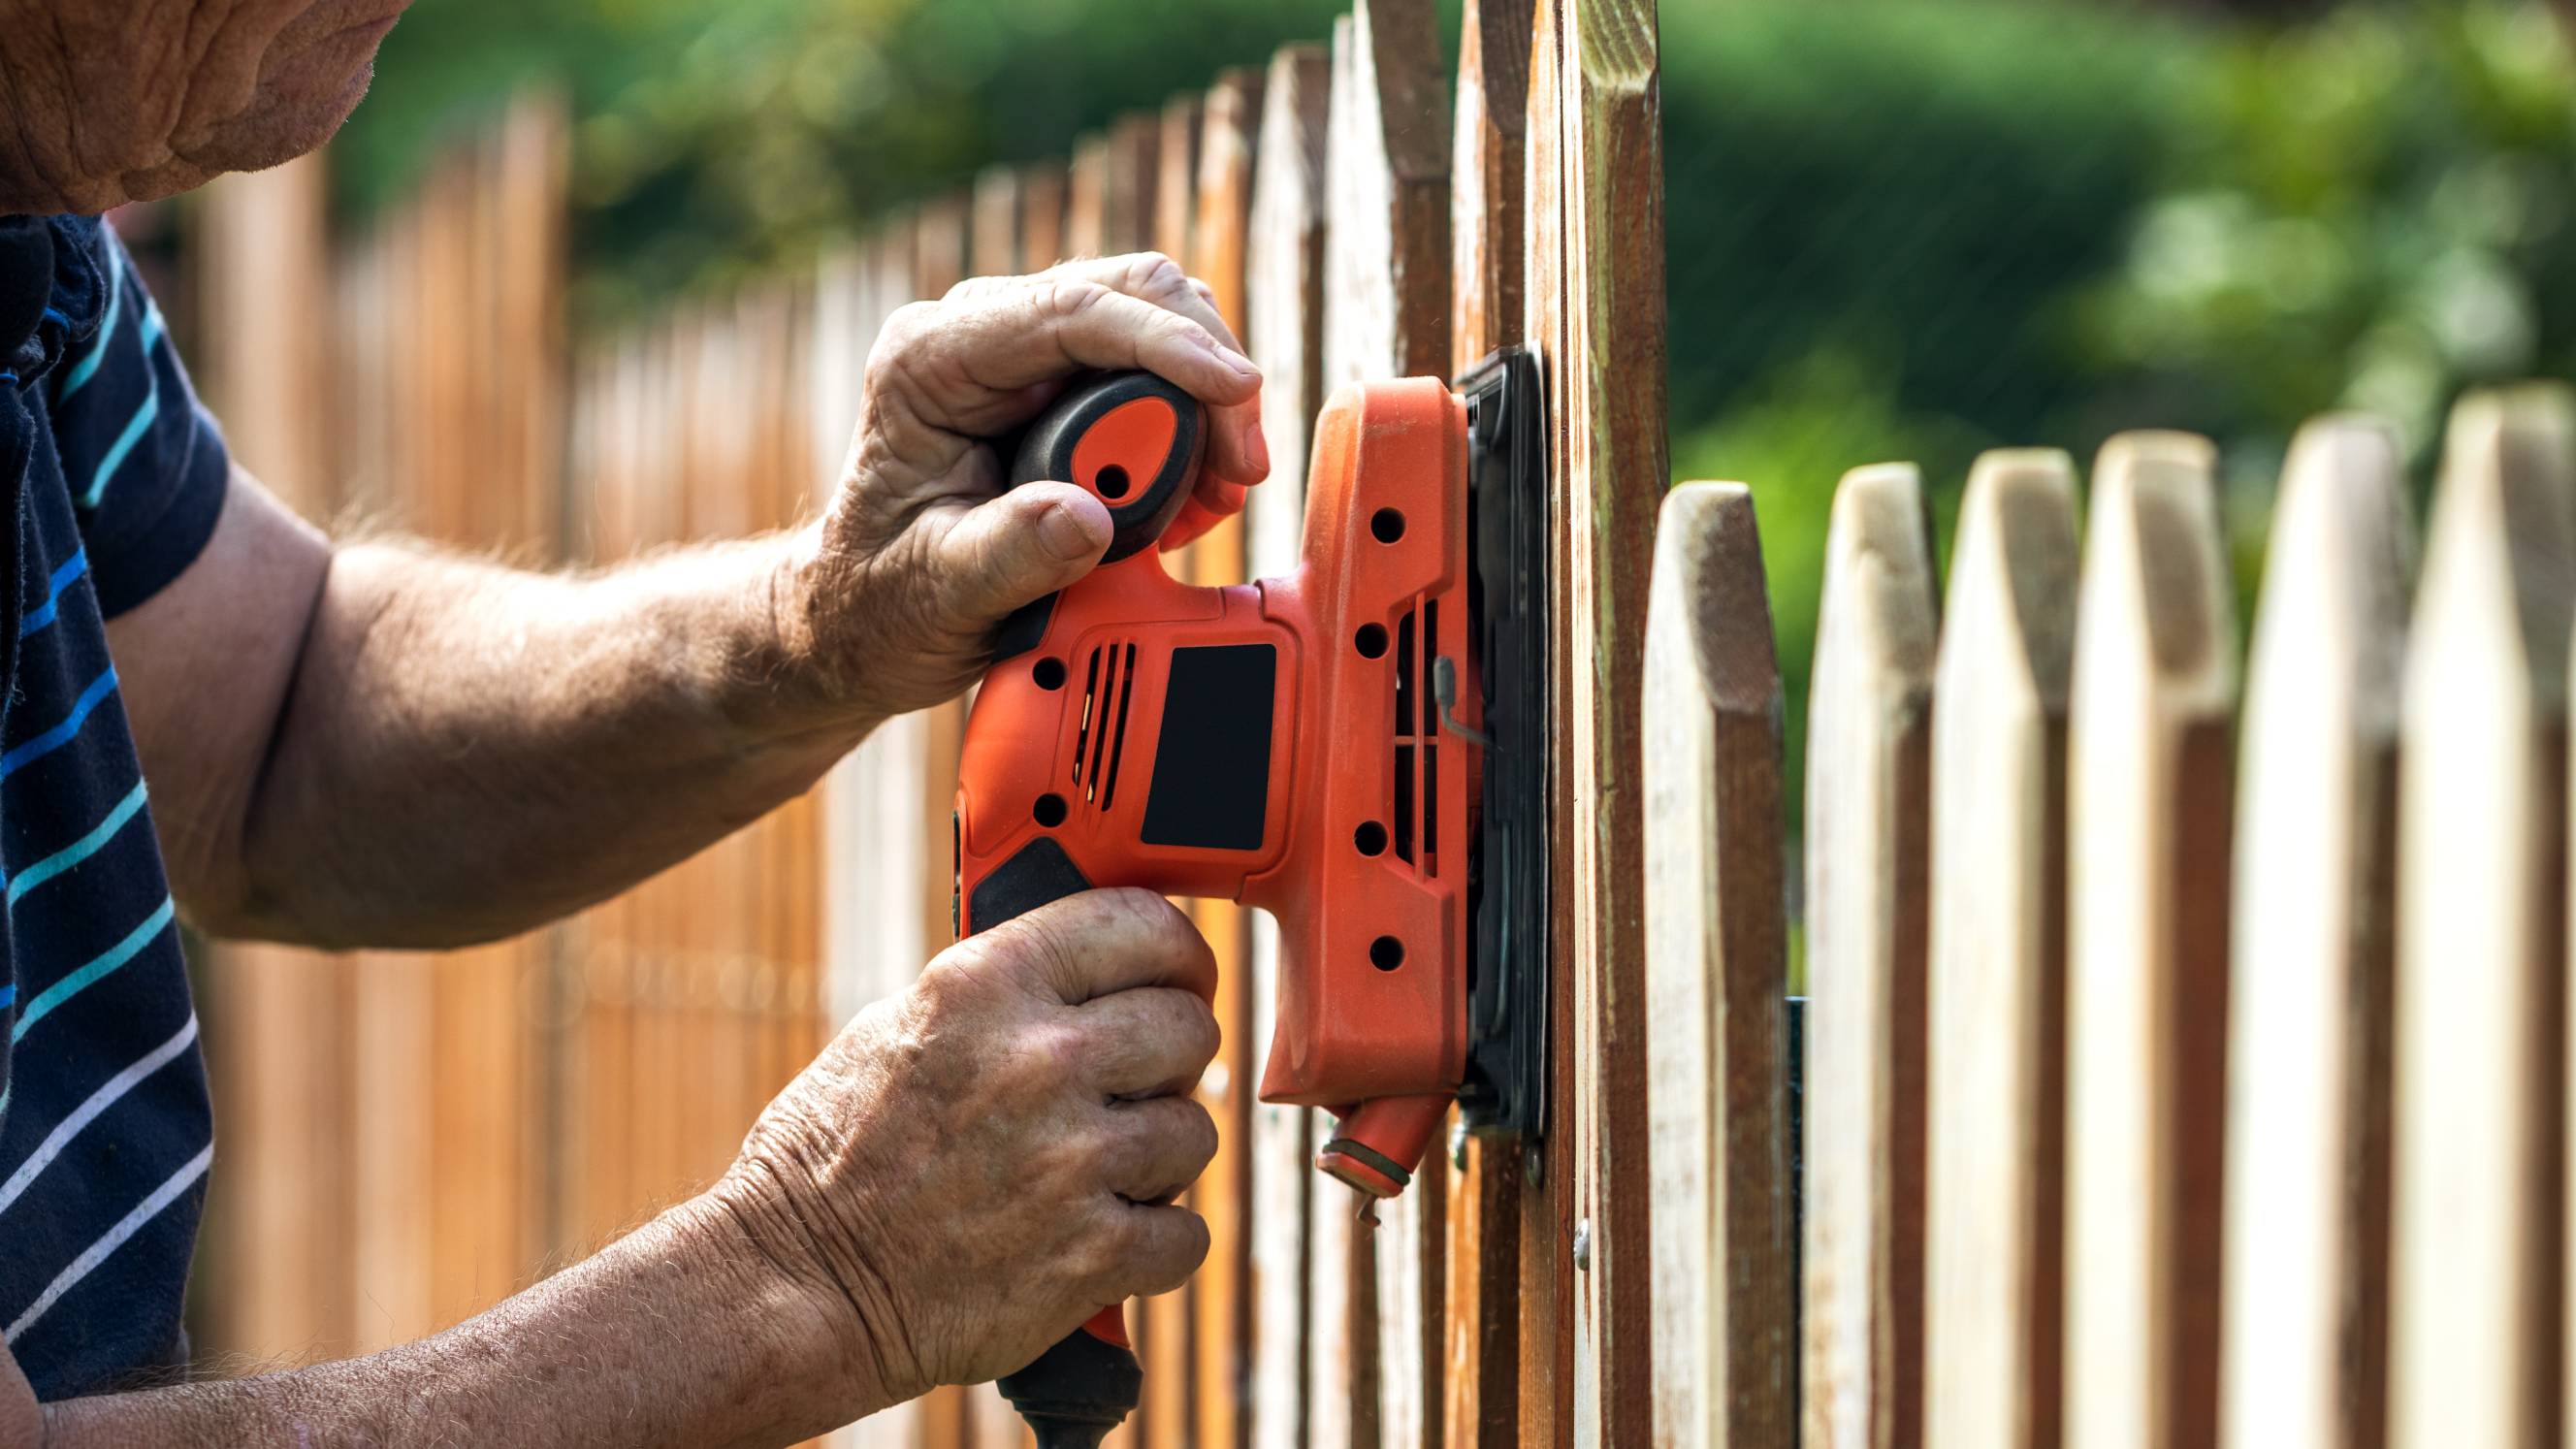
114 477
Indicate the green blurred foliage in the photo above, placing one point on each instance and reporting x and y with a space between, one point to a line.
1910 230
717 137
1896 228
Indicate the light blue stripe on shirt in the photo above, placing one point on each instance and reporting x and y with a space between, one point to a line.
63 578
54 739
124 444
88 366
153 326
81 849
89 974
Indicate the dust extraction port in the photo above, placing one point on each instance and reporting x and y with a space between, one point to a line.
1370 838
1048 673
1386 953
1050 810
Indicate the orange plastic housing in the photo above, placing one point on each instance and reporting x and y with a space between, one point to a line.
1135 738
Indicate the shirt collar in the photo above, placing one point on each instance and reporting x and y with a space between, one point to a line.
53 289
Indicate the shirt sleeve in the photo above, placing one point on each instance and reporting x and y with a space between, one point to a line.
144 461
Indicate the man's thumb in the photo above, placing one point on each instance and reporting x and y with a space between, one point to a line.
1022 545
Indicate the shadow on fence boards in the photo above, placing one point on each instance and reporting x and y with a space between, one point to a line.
2174 1073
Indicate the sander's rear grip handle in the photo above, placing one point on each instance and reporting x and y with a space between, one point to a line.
1085 1385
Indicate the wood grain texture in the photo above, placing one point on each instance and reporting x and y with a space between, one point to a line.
2305 1332
994 250
2149 796
2479 1248
1548 1361
1869 740
1606 352
1283 317
1219 201
1995 1195
1724 1294
1386 290
1481 1342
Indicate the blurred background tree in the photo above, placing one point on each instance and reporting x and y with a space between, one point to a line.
1896 228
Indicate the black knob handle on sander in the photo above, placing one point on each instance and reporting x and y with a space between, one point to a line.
1077 1391
1132 439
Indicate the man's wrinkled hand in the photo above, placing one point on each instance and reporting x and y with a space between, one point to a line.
972 1169
899 588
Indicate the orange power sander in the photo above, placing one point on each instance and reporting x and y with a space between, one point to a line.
1356 747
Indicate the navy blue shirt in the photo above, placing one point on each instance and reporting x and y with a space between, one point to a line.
112 477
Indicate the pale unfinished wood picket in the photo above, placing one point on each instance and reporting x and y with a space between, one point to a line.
2306 1270
1868 818
2478 1253
1996 1076
2149 791
1717 981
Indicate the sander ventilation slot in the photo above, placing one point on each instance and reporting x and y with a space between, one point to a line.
1101 739
1417 741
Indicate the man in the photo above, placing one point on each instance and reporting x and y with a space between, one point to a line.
375 745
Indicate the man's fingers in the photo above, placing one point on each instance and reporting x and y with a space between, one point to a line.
1153 1148
1237 452
1148 1042
1021 545
1156 1250
1094 943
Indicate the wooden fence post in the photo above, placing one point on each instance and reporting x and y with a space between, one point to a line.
1868 879
1594 302
1283 317
1995 1191
1482 1367
2148 782
2305 1334
2482 939
1716 987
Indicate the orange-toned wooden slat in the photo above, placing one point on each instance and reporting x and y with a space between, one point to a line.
2479 1251
276 1020
1386 314
1175 179
1086 200
2148 799
1995 1199
1868 821
1548 1200
1283 321
995 251
1128 221
1220 202
1481 1340
1717 980
1042 218
2305 1332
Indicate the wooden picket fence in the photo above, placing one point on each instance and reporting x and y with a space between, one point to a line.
2176 1073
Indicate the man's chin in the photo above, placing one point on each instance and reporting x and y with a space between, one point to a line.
281 130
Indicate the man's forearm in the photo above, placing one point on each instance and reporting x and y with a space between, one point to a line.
469 750
683 1333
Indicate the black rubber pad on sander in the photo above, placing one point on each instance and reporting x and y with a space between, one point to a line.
1505 1092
